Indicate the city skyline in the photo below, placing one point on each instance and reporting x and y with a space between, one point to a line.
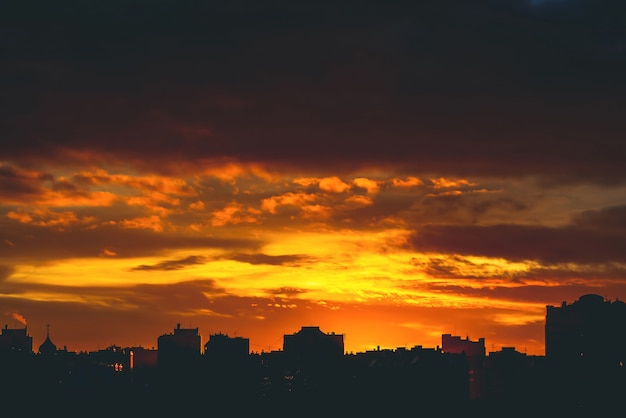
582 303
391 172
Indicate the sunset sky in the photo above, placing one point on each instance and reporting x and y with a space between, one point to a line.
387 170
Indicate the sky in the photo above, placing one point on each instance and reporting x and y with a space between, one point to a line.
390 171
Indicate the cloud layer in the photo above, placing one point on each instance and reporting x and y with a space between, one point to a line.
259 166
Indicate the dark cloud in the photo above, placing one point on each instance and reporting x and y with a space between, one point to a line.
531 293
80 241
581 242
15 183
609 220
275 260
456 267
173 264
439 86
287 291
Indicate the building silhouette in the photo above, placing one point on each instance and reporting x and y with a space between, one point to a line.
178 357
583 372
16 340
388 382
586 351
310 344
511 376
224 347
228 369
174 349
47 347
591 329
475 353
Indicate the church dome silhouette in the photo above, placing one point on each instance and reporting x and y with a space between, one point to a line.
47 347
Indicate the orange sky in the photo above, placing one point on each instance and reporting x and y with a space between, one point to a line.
254 169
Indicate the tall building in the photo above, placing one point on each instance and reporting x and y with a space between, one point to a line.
475 353
16 340
591 329
586 352
178 353
312 362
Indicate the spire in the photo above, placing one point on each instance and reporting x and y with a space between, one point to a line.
47 347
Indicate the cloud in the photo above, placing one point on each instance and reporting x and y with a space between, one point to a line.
287 291
571 243
173 264
18 184
274 260
48 218
608 220
235 213
5 272
76 242
413 87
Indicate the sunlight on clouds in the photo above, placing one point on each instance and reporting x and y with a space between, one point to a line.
203 311
151 222
234 213
197 206
357 201
446 193
371 186
327 184
297 199
48 218
316 212
348 265
149 184
333 185
104 271
409 182
531 313
69 295
72 199
441 183
473 267
229 171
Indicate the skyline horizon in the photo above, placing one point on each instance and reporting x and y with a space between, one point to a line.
279 347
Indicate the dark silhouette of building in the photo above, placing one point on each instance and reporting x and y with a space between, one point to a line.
390 382
47 348
178 357
16 340
515 377
586 351
583 371
229 371
591 328
310 367
16 359
475 353
224 347
176 348
310 343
